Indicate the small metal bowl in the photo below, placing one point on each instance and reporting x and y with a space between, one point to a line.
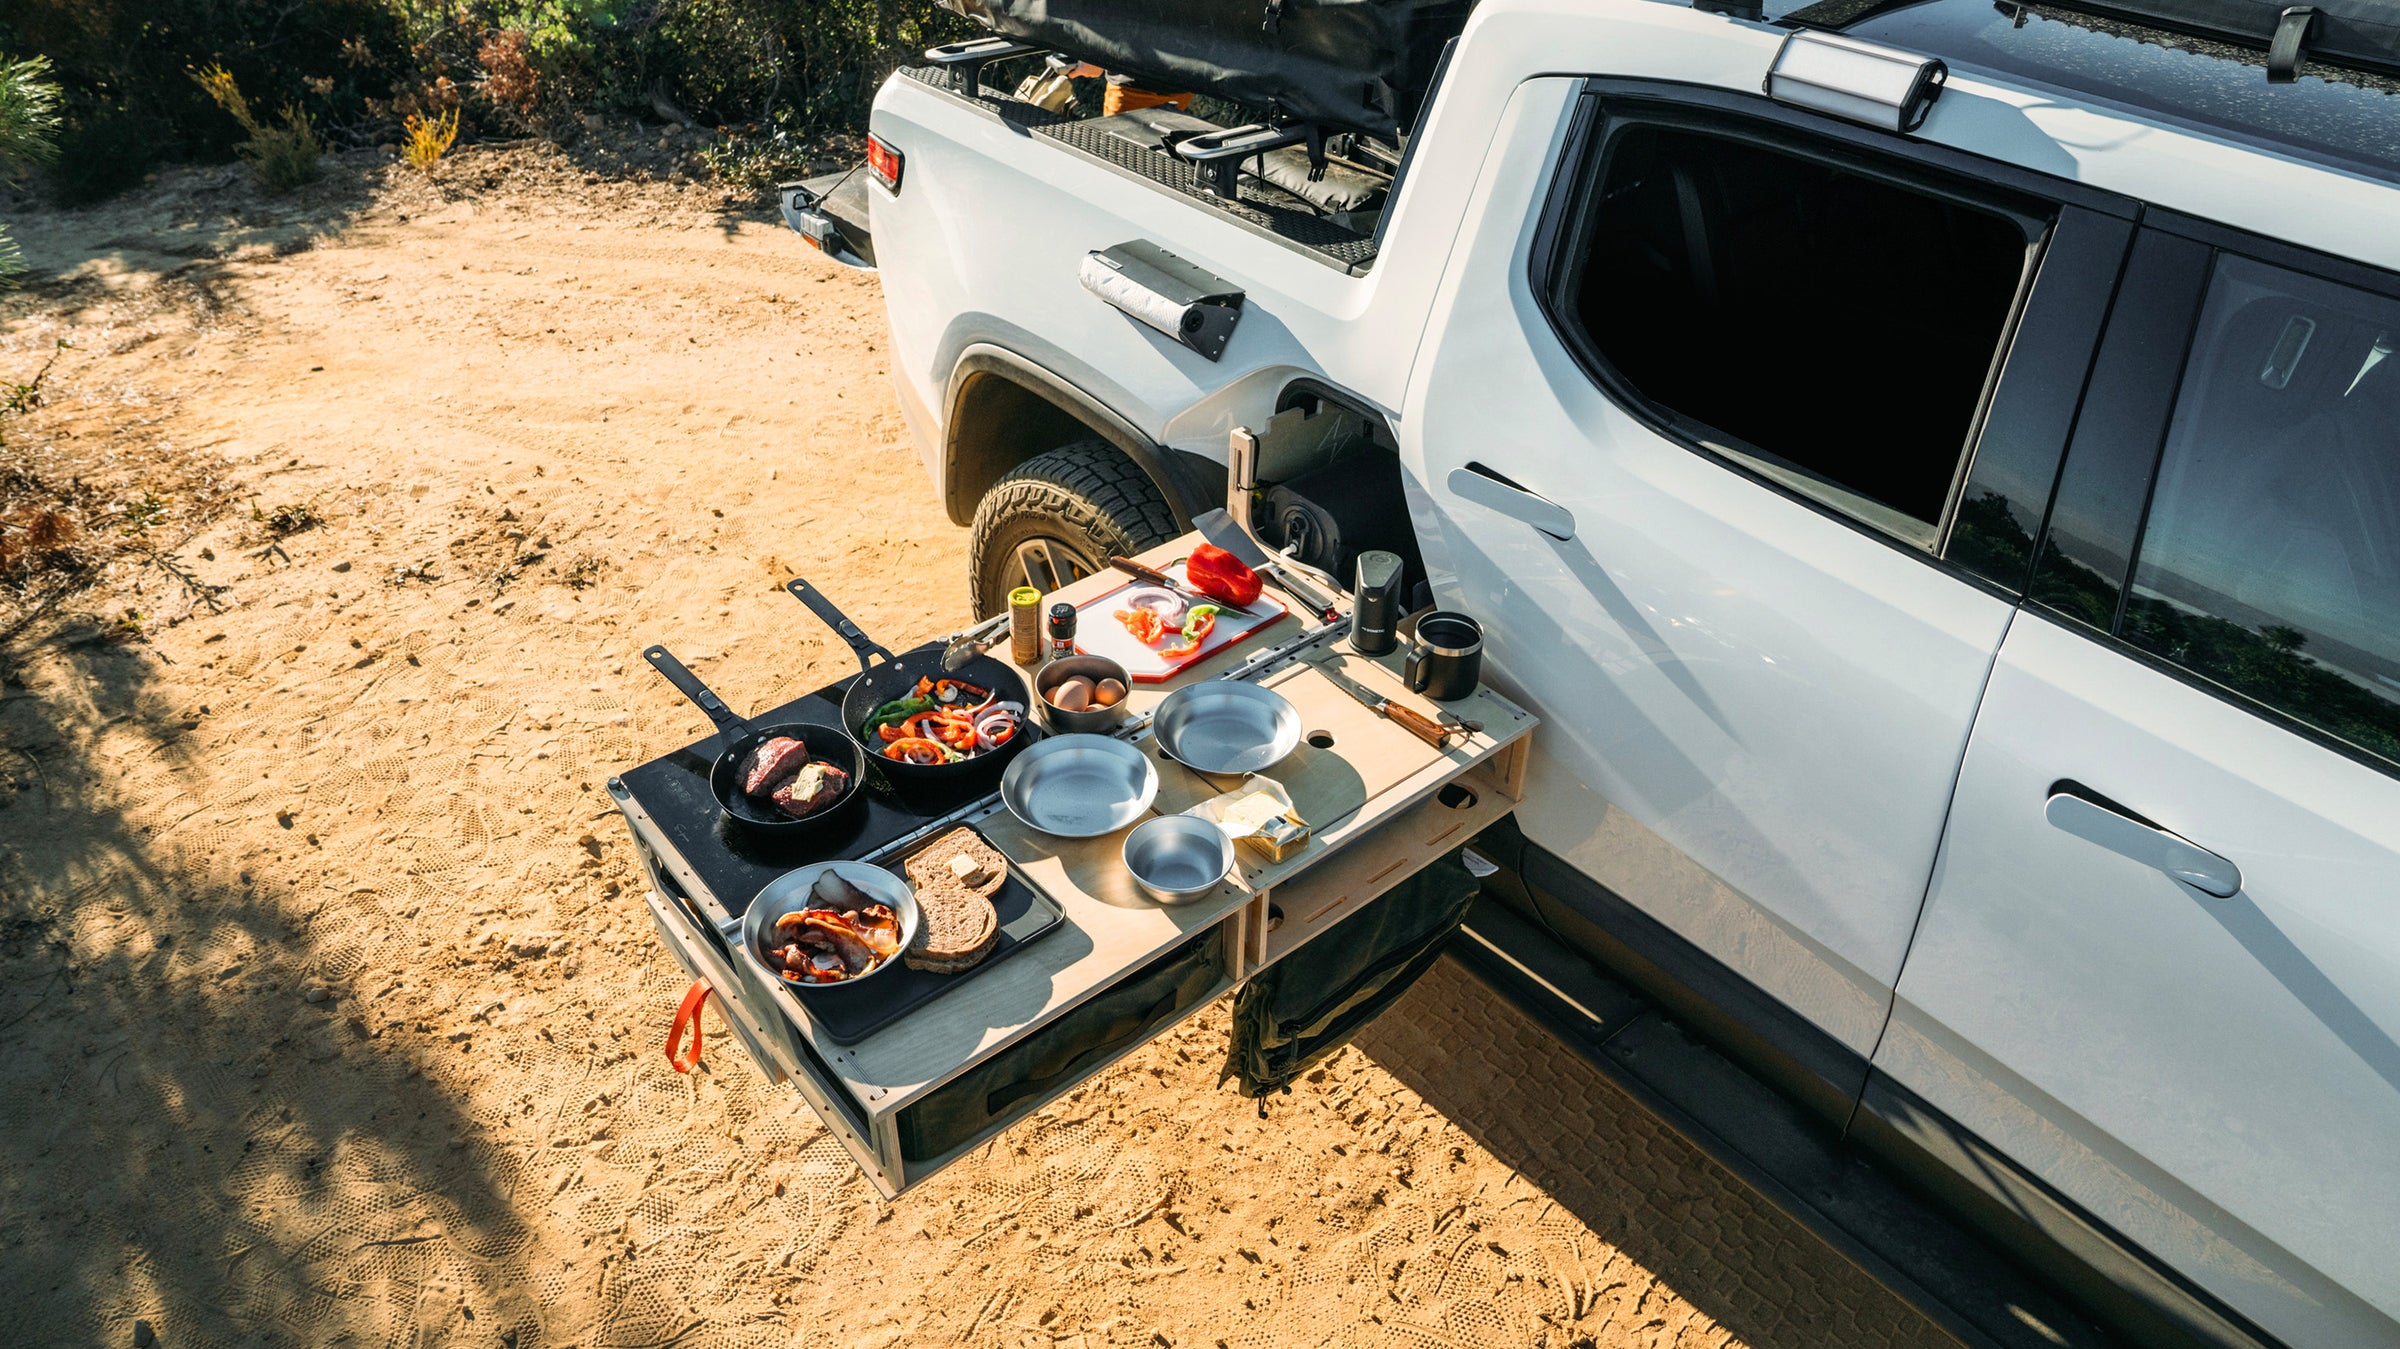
1178 857
1099 720
1227 727
789 893
1079 786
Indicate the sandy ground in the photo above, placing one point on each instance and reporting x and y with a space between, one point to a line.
328 1011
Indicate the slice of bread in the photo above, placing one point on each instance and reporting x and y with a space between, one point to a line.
958 926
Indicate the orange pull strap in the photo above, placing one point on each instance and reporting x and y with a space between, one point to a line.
687 1014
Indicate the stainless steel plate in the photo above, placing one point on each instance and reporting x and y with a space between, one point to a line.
1079 786
789 893
1221 726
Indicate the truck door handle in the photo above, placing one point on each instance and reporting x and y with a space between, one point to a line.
2095 819
1484 487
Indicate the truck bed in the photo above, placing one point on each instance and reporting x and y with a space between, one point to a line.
1125 145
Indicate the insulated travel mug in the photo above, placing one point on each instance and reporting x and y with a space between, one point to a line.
1446 661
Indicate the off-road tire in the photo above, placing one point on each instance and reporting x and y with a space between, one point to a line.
1085 499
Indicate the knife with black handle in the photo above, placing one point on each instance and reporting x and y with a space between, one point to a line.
1154 576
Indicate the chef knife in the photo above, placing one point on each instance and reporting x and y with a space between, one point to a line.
1159 578
1409 719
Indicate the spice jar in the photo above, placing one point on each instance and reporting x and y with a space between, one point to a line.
1062 630
1025 626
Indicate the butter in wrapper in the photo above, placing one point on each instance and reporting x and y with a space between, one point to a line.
1262 820
1279 838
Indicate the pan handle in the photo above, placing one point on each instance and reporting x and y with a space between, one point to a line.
866 647
689 685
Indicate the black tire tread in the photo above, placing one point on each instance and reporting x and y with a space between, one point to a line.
1089 486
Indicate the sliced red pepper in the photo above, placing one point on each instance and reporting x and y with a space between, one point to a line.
915 749
1195 633
958 693
1145 625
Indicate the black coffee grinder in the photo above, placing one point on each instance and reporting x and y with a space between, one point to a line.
1377 604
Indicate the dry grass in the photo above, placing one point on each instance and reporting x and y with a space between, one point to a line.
426 139
88 483
283 155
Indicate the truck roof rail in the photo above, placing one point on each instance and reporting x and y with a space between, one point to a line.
2358 34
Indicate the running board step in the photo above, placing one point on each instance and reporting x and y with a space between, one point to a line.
1874 1220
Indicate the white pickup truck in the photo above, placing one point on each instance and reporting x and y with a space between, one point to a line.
1933 467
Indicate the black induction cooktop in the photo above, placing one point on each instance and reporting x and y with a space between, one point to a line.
735 865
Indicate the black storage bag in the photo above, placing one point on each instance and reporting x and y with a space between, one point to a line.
1111 1021
1360 65
1302 1008
2349 32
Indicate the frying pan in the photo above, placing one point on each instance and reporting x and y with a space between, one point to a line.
725 775
896 677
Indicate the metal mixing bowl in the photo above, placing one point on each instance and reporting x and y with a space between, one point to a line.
1222 726
1098 720
789 892
1178 857
1079 786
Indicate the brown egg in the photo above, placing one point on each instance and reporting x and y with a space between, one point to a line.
1072 695
1108 693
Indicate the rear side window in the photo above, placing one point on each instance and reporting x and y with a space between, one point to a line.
2270 562
1818 320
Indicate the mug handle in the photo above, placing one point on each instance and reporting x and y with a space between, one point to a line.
1412 670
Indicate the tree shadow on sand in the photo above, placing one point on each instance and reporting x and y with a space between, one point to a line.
1536 1105
198 1128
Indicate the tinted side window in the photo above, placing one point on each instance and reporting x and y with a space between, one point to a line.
2270 562
1809 318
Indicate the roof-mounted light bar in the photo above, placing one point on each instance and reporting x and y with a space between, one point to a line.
1882 87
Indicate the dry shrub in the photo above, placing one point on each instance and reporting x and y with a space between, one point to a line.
285 521
32 539
509 78
424 140
281 156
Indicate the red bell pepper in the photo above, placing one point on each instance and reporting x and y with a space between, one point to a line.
1220 575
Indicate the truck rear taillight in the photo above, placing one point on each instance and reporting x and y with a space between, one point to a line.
884 162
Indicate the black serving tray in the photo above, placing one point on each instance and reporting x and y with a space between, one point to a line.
848 1015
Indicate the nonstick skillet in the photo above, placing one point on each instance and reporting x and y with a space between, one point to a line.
725 775
896 677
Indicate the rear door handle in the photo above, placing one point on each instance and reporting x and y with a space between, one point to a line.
2095 819
1486 488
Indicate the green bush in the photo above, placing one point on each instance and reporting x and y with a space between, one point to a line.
102 152
28 135
349 72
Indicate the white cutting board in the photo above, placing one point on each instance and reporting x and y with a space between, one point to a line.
1098 633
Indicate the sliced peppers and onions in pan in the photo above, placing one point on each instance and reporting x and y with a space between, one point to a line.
942 721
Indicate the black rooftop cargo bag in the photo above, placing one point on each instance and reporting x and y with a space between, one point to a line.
1357 65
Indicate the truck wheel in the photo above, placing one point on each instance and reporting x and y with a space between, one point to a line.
1058 516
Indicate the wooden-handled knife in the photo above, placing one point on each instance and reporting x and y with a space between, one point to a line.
1409 719
1154 576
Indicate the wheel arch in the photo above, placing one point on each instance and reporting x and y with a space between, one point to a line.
1004 409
